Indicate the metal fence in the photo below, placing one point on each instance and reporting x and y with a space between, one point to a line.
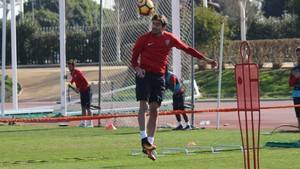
122 25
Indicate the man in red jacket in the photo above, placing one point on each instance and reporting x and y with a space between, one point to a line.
82 87
149 59
294 81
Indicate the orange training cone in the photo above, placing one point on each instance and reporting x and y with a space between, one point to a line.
110 126
191 144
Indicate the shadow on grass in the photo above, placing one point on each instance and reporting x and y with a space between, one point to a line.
31 130
289 131
67 159
126 133
115 166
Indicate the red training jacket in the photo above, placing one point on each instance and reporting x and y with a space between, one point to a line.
293 80
154 51
79 79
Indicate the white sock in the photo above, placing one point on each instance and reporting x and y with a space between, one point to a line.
188 123
179 123
151 140
143 134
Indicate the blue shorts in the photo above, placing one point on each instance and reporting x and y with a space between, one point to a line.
150 88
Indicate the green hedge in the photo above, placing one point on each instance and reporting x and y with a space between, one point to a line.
8 88
271 51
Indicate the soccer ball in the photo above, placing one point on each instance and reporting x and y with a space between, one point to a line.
146 7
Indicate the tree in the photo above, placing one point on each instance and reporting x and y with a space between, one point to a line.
274 8
207 31
294 7
270 26
78 12
207 26
32 5
273 28
25 31
231 9
44 17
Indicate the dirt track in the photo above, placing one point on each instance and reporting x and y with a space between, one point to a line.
228 120
43 84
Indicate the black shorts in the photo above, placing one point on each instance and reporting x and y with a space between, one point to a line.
151 88
178 101
85 98
297 109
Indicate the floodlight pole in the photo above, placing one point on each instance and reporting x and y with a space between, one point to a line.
118 32
220 72
243 19
62 47
3 58
14 55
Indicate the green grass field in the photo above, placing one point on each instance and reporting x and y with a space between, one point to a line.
51 147
273 84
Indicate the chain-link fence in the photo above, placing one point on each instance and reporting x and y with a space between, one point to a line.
122 25
38 45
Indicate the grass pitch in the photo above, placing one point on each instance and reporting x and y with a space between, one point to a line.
52 147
